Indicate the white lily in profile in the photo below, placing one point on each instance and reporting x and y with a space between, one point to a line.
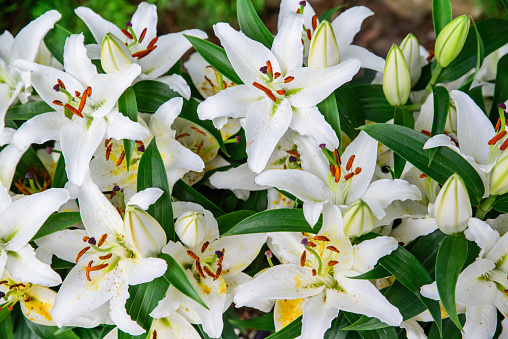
85 103
26 45
278 93
156 55
339 185
108 168
21 219
345 27
317 270
116 253
213 265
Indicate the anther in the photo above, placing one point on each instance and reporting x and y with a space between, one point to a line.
57 102
336 155
205 245
314 272
82 102
89 268
321 238
106 257
16 285
333 263
349 176
9 308
127 34
281 92
423 175
152 44
73 110
4 282
106 142
154 334
309 34
60 82
120 159
332 248
427 133
77 94
207 271
498 124
293 153
80 254
182 136
85 238
358 170
102 240
108 151
504 145
224 84
497 137
302 258
89 91
199 147
276 75
350 162
267 91
142 36
314 22
198 130
269 67
311 244
288 79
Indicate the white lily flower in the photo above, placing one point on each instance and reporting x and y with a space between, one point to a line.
214 267
345 27
16 85
21 219
87 98
112 260
320 276
278 93
156 55
321 184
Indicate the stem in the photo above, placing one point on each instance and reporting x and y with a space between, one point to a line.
485 207
433 79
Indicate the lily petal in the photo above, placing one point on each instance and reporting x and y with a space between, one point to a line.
145 16
348 24
310 121
317 316
313 159
39 129
368 252
287 46
119 314
98 26
240 177
367 59
24 266
480 322
473 291
286 246
76 63
164 117
146 197
481 233
410 229
64 244
121 127
9 158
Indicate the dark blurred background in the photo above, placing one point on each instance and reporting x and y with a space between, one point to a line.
392 21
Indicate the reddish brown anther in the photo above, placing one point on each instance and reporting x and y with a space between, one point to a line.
205 245
57 102
199 147
120 159
349 176
106 257
89 268
427 133
80 254
142 36
314 22
60 82
73 110
303 258
497 137
276 75
333 263
321 238
127 34
267 91
107 141
269 68
336 155
77 94
358 170
350 162
152 43
281 92
332 248
314 272
198 264
108 151
423 175
198 130
504 145
288 79
102 240
309 34
182 136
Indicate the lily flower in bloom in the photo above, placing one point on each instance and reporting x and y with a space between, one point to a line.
20 221
156 55
213 265
345 27
85 108
25 46
340 184
317 269
116 253
278 93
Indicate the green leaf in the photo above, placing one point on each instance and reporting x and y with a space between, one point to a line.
374 103
55 41
501 89
409 145
291 331
402 117
410 272
377 272
175 275
278 220
262 323
6 324
366 324
228 221
477 96
441 14
251 25
184 192
480 55
387 332
329 110
425 249
441 107
128 107
501 204
28 110
57 222
335 331
350 111
50 332
60 176
450 259
152 173
216 57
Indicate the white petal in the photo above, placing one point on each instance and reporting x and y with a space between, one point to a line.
333 226
3 260
145 17
384 191
24 266
174 326
313 85
410 229
309 121
145 197
76 63
165 115
317 316
439 140
9 158
348 24
288 6
312 211
37 307
474 130
266 124
368 252
246 55
481 233
27 42
119 314
472 290
360 296
313 159
287 45
499 250
178 159
286 281
97 25
39 129
168 304
240 177
5 198
413 329
65 244
144 270
120 127
367 59
79 142
481 322
286 246
232 102
23 218
175 82
6 41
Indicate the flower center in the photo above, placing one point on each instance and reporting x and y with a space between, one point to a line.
322 259
339 178
33 182
133 42
15 292
272 87
205 265
77 104
499 139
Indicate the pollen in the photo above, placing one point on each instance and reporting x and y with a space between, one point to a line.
496 138
350 162
102 240
205 245
80 254
321 238
302 258
142 36
120 159
288 79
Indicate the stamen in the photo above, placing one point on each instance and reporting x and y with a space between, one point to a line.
224 84
298 11
423 175
198 130
205 245
293 153
198 264
154 334
57 102
309 34
89 91
106 257
281 92
431 54
92 241
82 101
77 94
333 263
314 22
89 268
60 82
102 239
127 34
314 272
288 79
498 124
209 81
80 254
120 159
85 238
350 162
427 133
142 36
267 91
182 135
332 248
504 145
358 170
349 176
302 258
221 257
152 44
107 141
321 238
108 151
269 68
217 274
16 285
496 138
276 75
3 282
199 147
311 244
332 170
263 69
73 110
336 155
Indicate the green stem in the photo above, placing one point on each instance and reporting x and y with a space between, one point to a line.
433 79
485 207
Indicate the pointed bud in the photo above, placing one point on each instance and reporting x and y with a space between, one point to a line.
358 219
411 50
499 176
323 51
191 228
114 54
143 232
396 79
451 39
452 207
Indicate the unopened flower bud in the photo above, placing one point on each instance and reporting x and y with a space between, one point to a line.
451 39
191 228
114 54
323 51
143 231
453 208
499 176
396 79
411 50
358 219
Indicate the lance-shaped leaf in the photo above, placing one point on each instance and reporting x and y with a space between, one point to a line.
228 221
184 192
293 330
441 14
350 111
409 145
57 222
55 41
128 107
60 176
441 107
374 103
501 89
27 111
328 108
251 24
402 117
